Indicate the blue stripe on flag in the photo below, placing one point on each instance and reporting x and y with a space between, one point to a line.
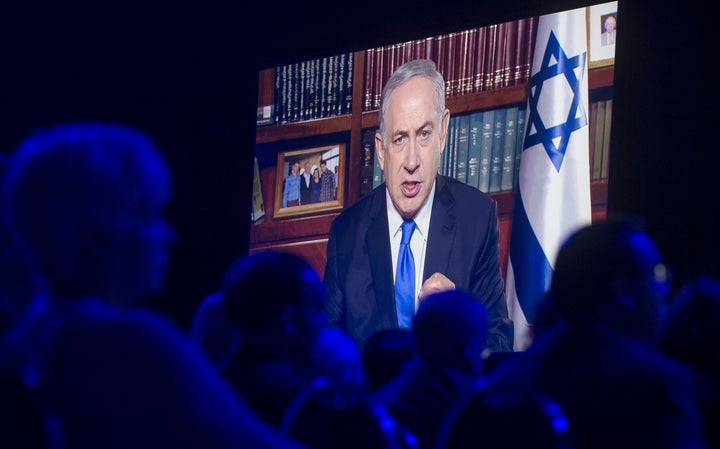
531 269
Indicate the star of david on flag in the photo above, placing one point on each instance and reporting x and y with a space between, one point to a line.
553 195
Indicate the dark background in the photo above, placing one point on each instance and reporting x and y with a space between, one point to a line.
186 73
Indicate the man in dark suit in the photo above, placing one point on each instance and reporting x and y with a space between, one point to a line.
454 241
305 181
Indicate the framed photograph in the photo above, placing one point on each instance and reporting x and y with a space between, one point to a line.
310 180
602 34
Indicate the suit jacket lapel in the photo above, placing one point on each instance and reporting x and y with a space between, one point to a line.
378 245
442 231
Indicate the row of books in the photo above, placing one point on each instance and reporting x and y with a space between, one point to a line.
474 60
483 148
313 89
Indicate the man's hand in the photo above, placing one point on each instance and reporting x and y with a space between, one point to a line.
438 282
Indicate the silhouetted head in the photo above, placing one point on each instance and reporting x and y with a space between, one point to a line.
15 280
450 329
504 418
384 355
610 272
277 299
337 356
83 203
691 332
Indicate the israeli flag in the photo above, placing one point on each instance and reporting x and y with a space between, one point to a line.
553 195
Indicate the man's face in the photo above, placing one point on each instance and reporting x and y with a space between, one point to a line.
610 24
142 240
307 167
415 139
323 168
295 168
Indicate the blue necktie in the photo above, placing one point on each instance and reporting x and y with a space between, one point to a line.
405 278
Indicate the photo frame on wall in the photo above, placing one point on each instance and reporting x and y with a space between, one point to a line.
602 34
325 191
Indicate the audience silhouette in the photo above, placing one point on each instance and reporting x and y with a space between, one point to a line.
449 334
83 203
691 335
334 410
21 425
83 364
385 354
276 300
504 419
595 353
213 331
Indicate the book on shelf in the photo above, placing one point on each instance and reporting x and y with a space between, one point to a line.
491 42
349 73
604 164
479 68
511 55
599 134
531 33
509 144
339 84
293 92
448 63
473 163
368 85
324 85
378 76
302 91
517 70
462 147
498 145
519 145
499 63
592 130
468 54
447 161
280 93
367 161
258 206
486 149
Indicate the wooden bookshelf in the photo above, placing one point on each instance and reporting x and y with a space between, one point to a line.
307 235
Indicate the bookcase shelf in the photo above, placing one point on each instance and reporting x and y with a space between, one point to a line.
597 78
307 235
296 130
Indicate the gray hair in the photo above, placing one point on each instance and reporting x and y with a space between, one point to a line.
419 67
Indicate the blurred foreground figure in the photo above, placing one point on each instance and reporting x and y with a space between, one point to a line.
449 335
595 350
691 334
83 204
276 301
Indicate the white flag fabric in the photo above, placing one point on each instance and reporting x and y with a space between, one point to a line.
553 195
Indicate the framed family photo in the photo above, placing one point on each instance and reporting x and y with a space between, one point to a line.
602 34
309 180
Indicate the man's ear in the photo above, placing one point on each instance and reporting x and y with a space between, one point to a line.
444 123
380 150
